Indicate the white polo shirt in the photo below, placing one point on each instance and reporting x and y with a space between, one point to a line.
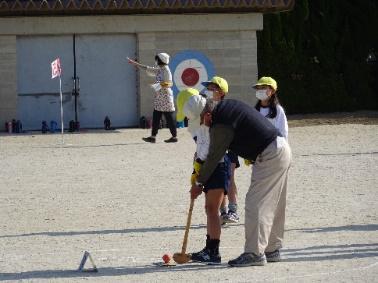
279 122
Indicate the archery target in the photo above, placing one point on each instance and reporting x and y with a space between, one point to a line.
190 73
190 69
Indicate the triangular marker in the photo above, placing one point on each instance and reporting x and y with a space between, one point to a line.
84 260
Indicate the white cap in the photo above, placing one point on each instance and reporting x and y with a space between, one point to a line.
192 110
164 57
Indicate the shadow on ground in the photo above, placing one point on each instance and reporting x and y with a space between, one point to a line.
364 227
331 252
106 271
105 232
309 254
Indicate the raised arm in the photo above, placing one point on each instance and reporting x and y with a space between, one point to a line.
136 64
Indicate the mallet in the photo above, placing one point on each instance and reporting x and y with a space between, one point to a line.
182 257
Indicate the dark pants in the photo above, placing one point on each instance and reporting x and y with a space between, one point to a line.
169 116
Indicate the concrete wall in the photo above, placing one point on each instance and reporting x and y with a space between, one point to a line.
228 40
8 79
233 53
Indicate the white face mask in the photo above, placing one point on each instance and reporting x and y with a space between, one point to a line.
261 94
209 93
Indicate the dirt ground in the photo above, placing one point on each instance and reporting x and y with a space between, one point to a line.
126 202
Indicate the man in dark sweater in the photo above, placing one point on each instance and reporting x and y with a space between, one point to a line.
238 127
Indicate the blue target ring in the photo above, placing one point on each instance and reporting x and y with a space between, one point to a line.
190 68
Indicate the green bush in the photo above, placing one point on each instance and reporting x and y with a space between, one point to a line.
317 52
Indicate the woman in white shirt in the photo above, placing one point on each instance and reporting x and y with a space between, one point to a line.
163 99
269 105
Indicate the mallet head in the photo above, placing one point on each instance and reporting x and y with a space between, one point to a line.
181 258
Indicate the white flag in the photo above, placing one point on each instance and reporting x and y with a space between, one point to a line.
55 68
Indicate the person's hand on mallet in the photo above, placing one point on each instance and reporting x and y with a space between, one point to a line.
196 190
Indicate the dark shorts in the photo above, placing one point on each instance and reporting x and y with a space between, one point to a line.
233 158
220 179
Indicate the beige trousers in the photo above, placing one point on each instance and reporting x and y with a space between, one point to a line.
265 201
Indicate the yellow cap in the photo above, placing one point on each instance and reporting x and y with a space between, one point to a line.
182 98
221 82
267 81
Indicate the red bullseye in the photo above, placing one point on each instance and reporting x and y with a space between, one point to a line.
190 77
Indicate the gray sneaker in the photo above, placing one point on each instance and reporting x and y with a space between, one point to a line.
224 218
206 256
199 254
232 217
248 259
274 256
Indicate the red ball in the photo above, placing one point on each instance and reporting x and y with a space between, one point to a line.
166 258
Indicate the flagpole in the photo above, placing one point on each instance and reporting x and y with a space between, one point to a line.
61 108
56 71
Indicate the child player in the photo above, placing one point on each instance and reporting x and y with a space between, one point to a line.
268 104
215 189
217 89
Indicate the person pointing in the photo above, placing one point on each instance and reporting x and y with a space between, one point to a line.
163 96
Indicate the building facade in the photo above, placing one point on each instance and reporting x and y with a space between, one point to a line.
93 39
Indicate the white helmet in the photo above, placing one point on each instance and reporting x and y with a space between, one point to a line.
192 110
164 57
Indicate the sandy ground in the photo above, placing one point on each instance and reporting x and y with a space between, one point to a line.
126 203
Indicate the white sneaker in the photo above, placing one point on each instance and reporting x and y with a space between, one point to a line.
232 217
224 218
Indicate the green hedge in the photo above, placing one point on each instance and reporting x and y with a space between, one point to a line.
318 54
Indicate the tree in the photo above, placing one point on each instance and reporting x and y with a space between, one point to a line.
317 52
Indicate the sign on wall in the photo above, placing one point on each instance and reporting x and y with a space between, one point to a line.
190 68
